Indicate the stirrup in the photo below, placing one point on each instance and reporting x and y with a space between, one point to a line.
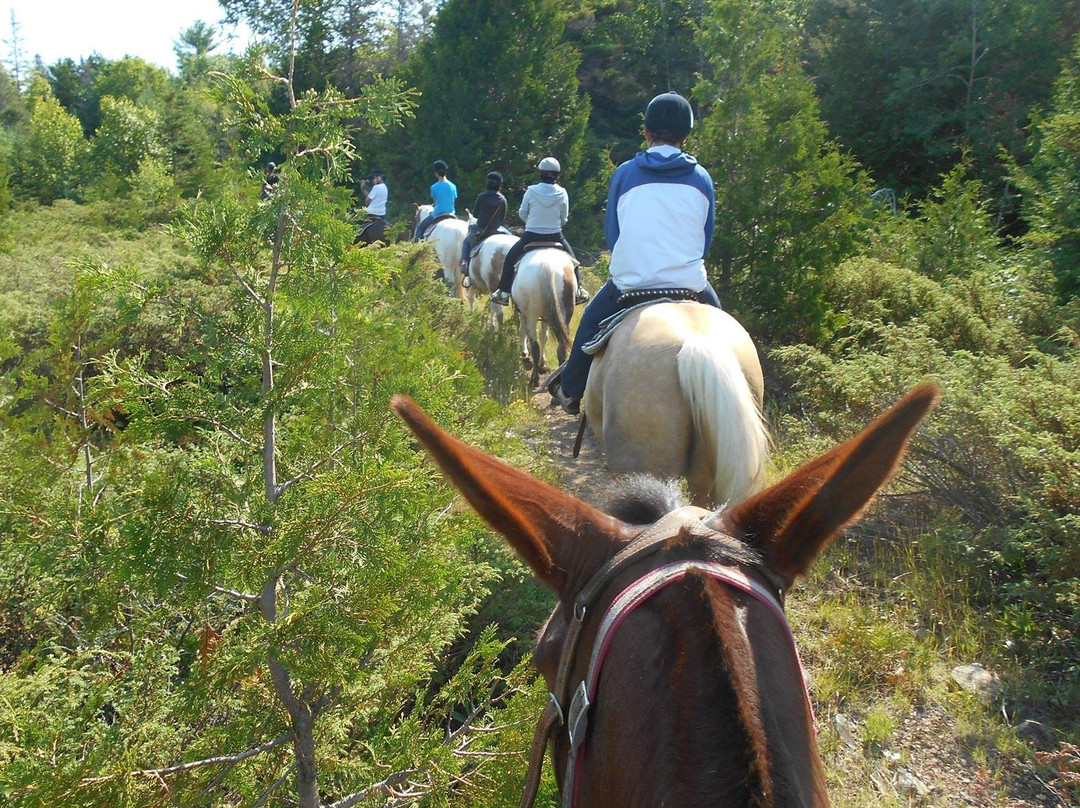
500 297
582 296
552 382
571 406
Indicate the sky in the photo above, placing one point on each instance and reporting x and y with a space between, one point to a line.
55 29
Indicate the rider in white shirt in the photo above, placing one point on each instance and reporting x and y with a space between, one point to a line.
375 202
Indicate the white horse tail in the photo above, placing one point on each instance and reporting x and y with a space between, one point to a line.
559 309
726 416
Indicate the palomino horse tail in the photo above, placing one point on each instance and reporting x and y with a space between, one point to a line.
727 417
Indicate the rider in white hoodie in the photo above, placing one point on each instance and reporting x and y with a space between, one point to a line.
659 225
544 209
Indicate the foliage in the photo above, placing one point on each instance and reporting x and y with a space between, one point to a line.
494 100
907 87
1050 181
127 136
788 201
994 473
47 162
629 53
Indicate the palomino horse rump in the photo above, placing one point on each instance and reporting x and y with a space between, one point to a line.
698 697
676 392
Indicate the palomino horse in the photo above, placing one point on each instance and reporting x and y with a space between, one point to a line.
485 269
676 392
686 683
543 291
447 236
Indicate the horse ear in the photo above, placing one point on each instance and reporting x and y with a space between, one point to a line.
793 521
561 538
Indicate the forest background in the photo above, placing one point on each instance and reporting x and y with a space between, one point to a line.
226 575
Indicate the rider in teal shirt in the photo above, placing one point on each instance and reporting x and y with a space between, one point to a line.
443 195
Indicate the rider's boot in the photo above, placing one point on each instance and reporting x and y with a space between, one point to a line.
501 297
569 405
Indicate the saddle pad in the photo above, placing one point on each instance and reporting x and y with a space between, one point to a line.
608 325
482 237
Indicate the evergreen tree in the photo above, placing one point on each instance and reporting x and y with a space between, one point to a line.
631 52
242 583
908 87
75 87
1051 183
788 201
498 92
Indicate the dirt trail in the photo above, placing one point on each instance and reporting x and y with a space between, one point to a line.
586 476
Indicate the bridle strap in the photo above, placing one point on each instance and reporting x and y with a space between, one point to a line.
628 600
647 542
551 718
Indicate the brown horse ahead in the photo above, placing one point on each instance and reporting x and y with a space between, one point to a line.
675 632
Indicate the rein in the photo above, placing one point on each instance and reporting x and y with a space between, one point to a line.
553 716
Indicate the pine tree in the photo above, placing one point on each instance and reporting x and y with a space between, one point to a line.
499 93
1049 184
788 201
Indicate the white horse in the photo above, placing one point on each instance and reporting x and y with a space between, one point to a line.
544 290
446 236
485 269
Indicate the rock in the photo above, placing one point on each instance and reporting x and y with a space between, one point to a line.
1038 735
908 783
846 727
977 679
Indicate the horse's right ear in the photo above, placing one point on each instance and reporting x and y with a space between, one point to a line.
792 522
562 539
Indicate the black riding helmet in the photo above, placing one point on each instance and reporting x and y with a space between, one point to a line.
494 181
440 166
669 117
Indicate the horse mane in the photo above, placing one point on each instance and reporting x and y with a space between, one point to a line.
641 499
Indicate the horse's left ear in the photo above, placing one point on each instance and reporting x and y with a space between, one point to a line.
562 539
792 522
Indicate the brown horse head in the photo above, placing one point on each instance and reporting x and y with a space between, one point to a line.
699 700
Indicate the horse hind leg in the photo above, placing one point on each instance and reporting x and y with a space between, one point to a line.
541 366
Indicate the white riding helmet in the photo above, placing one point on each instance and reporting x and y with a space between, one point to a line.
550 164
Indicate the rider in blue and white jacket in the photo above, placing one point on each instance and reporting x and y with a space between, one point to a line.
659 224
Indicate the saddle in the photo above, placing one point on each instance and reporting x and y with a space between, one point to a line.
547 245
648 297
480 238
435 221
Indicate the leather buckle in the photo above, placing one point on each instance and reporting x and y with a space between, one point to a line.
578 720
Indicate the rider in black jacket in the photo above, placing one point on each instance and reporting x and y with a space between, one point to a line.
489 209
